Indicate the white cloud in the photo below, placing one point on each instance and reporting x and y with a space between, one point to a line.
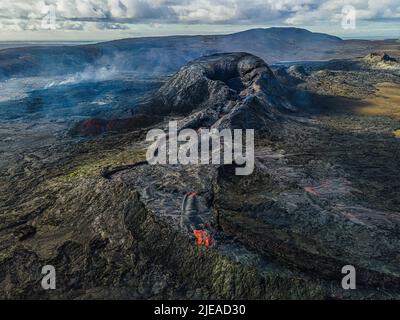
112 14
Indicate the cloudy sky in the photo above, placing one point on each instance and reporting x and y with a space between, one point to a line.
111 19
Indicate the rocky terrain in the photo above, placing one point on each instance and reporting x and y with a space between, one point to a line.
324 192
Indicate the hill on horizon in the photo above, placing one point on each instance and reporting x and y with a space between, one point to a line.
167 54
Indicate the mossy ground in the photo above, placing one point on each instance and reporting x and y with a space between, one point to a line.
108 159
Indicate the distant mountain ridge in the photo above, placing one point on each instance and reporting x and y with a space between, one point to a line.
167 54
289 32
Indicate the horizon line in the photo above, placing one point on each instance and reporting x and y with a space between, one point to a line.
108 39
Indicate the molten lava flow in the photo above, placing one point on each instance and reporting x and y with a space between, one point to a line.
311 190
203 238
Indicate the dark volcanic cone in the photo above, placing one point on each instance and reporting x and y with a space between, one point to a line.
235 90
